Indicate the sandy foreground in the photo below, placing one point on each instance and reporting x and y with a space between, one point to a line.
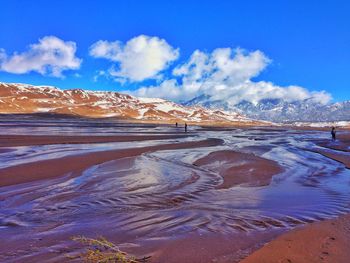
325 241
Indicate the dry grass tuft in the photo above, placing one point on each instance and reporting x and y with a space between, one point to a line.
101 250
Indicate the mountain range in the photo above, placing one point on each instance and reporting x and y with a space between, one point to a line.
28 99
18 98
278 110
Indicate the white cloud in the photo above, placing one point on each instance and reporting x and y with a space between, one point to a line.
223 64
51 56
140 58
167 89
226 74
256 91
105 49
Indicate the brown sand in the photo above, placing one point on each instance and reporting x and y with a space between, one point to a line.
240 168
219 248
341 147
342 143
75 164
27 140
327 241
345 138
339 157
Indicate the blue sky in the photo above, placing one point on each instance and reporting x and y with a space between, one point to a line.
302 43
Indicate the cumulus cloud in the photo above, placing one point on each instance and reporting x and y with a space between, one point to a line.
223 64
51 56
168 89
256 91
226 74
106 49
142 57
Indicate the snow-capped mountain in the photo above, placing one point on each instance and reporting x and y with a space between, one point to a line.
23 98
278 110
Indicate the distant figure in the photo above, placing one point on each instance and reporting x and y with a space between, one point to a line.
176 125
333 133
185 127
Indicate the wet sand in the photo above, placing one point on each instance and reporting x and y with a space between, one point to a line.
326 241
240 168
342 143
343 158
73 165
213 195
338 150
27 140
210 248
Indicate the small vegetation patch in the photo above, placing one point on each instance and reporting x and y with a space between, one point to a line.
101 250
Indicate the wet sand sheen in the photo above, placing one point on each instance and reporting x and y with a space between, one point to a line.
28 140
48 169
240 168
338 151
336 156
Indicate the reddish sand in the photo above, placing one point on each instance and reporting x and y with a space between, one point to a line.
51 168
342 143
240 168
326 241
209 248
341 147
345 138
339 157
26 140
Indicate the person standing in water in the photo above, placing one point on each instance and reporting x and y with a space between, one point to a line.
176 125
185 127
333 133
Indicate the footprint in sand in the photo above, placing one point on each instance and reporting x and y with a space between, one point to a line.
325 247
